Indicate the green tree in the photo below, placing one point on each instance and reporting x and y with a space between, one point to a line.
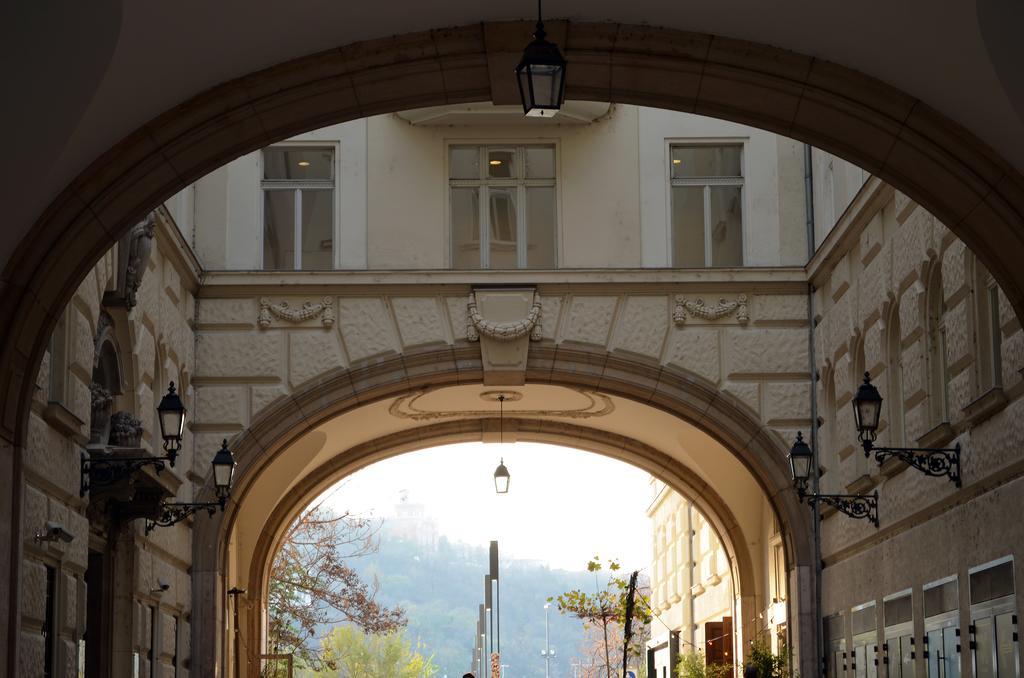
694 665
767 663
354 654
605 610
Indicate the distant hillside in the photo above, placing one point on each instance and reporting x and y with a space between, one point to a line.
441 589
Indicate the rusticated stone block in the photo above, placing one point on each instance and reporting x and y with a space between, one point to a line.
696 350
910 245
77 552
871 240
1013 358
904 206
873 287
172 281
787 401
419 320
551 311
843 379
52 456
145 351
458 316
33 590
70 587
79 398
874 350
264 395
766 351
840 280
911 311
240 355
641 326
789 308
31 650
34 515
311 353
961 393
589 320
917 420
81 343
748 392
226 312
915 370
366 328
167 629
220 405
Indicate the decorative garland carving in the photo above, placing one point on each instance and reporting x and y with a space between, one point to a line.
698 309
308 311
404 407
140 245
507 331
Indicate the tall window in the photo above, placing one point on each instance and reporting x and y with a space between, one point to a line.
894 373
502 206
989 331
298 208
707 205
938 382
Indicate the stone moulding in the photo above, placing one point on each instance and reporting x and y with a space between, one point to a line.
308 311
698 309
507 331
404 407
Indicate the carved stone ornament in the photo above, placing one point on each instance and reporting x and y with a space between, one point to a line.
125 430
506 331
282 310
139 247
99 423
698 309
406 407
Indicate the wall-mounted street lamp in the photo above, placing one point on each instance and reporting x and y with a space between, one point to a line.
223 475
103 471
541 74
801 462
932 461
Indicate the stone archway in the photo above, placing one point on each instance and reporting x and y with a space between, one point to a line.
667 390
966 184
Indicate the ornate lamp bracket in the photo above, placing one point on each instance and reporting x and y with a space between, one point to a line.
854 505
172 513
937 462
101 472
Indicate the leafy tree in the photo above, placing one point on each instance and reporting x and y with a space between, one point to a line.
605 610
312 586
354 654
767 663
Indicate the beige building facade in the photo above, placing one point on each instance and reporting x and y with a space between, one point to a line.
661 312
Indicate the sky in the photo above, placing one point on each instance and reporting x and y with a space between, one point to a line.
563 507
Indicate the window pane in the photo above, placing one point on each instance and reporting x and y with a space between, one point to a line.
991 583
317 230
465 162
860 661
278 230
1006 646
465 208
906 658
934 648
540 227
688 226
984 638
293 163
950 657
898 610
996 337
706 161
502 216
501 163
540 162
726 221
941 599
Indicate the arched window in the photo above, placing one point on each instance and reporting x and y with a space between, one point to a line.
938 374
894 377
988 330
828 456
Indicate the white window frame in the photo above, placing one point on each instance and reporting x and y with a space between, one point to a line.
521 182
298 187
707 183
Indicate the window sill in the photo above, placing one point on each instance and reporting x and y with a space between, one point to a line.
62 419
985 406
939 436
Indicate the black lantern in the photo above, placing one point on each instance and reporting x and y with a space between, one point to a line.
800 458
867 410
223 470
541 74
171 413
501 478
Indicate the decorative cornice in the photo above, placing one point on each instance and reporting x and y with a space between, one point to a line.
698 309
507 331
308 311
404 407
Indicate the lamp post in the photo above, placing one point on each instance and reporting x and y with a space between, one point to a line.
854 505
541 74
223 476
932 461
547 653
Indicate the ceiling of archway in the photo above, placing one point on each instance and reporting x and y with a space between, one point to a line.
89 95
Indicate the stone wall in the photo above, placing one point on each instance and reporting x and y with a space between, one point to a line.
897 295
154 344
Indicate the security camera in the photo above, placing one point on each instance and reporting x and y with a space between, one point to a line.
54 532
161 587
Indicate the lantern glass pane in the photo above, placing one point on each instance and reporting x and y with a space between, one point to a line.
222 475
171 423
546 80
868 413
501 483
801 466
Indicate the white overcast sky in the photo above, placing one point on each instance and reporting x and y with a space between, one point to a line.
564 506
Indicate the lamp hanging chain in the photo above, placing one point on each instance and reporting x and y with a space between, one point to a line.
539 34
501 416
